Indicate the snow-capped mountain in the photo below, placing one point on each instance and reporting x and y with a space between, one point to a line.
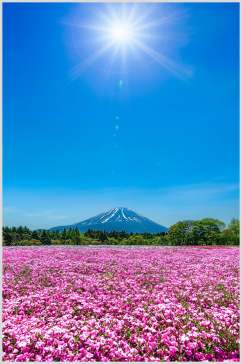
117 219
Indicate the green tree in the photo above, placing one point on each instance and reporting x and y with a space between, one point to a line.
213 224
35 235
206 231
231 235
77 237
7 238
179 233
45 239
234 226
102 236
64 235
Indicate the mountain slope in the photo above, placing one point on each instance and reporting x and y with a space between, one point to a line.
117 219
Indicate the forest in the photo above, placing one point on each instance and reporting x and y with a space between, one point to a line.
206 231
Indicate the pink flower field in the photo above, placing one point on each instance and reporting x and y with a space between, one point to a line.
120 304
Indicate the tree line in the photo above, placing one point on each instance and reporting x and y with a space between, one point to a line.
188 232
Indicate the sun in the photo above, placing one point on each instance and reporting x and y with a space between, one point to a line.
122 33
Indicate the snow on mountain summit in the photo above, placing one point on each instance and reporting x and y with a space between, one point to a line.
115 214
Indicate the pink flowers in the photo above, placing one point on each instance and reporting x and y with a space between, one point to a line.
120 304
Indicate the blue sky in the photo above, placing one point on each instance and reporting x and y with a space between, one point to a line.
157 132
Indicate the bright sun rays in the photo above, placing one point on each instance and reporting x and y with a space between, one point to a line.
119 33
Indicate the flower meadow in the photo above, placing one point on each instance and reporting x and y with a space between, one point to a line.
121 304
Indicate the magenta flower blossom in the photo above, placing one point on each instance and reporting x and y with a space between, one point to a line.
121 304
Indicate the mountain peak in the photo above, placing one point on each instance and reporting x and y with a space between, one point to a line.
117 219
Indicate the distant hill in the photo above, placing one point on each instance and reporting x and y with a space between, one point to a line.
117 219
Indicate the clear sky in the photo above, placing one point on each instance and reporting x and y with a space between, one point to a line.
151 124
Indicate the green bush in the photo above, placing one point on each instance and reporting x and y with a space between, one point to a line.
29 242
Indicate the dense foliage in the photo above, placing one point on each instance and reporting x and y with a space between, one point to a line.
160 304
198 232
